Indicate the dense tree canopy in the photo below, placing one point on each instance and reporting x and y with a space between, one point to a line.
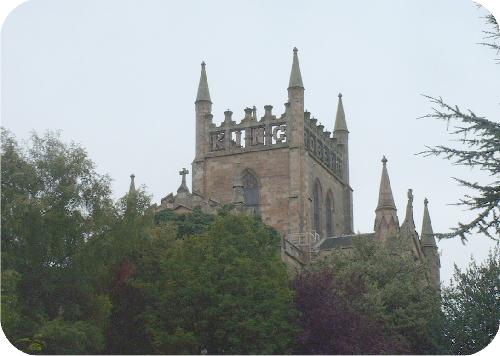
53 202
332 325
225 291
82 274
380 292
471 305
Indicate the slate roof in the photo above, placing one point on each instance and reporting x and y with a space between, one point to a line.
346 241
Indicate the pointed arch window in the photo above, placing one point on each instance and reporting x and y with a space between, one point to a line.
329 214
251 189
317 196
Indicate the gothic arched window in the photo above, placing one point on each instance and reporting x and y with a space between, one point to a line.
251 189
317 194
329 214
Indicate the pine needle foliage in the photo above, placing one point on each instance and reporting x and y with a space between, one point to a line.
479 140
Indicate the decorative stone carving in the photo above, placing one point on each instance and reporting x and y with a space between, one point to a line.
281 137
183 187
248 114
228 136
238 138
257 135
321 146
217 139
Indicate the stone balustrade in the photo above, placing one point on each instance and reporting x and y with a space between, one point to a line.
270 131
321 145
250 133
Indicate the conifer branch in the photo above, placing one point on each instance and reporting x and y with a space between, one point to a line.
483 152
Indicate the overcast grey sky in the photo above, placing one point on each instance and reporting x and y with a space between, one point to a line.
120 77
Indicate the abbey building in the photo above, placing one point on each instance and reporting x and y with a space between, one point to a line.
294 173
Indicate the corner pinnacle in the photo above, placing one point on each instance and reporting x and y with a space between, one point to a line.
203 92
385 198
295 76
132 184
340 123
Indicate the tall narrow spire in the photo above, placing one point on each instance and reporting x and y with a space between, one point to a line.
131 198
385 198
408 231
203 92
132 184
427 235
340 124
409 210
295 76
386 217
430 249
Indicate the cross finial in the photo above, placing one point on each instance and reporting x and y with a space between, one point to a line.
295 50
384 160
426 201
203 63
340 95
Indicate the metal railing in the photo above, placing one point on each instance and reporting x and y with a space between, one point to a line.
302 245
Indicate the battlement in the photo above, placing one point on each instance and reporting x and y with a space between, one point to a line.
249 134
321 145
269 132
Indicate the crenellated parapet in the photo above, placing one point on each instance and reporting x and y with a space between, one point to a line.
249 134
321 145
270 131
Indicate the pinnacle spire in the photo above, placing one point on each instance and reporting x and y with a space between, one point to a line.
409 210
131 198
385 198
340 124
427 235
132 184
203 92
295 76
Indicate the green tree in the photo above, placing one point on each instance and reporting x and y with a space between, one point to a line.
59 336
331 325
193 223
131 249
53 202
385 284
225 291
480 139
471 306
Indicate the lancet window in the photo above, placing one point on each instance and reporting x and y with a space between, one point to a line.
329 214
251 189
317 195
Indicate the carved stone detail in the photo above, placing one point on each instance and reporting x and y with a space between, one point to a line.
282 133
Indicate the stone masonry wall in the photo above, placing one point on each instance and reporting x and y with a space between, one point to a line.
272 170
328 182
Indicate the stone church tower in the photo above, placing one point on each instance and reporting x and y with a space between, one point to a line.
293 171
294 174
